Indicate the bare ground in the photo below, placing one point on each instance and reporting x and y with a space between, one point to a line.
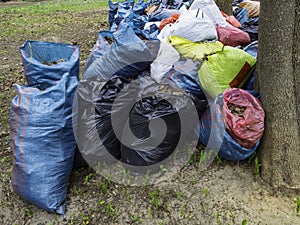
225 193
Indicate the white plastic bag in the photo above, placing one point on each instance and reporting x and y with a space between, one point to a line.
195 26
210 8
165 32
166 57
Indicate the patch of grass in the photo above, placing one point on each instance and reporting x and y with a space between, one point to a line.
218 160
298 205
202 159
232 216
28 213
85 219
136 218
155 198
100 203
244 222
168 208
44 18
202 207
163 168
257 166
77 191
251 157
179 195
87 178
193 181
218 220
43 7
6 160
72 220
108 210
183 208
206 191
105 185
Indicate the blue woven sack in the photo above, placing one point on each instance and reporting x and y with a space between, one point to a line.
127 57
101 47
42 142
48 61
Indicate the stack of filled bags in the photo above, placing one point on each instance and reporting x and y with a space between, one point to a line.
201 50
191 61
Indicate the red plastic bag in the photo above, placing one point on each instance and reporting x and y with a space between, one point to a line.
171 19
233 36
231 20
243 116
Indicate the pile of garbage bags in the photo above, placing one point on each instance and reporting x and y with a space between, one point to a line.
194 45
159 63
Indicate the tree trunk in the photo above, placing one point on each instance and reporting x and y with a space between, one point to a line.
225 6
279 84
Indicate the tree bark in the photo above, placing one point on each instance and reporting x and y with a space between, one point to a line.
225 6
279 84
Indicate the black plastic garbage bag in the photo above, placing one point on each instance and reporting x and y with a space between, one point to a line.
151 109
160 121
79 161
95 135
120 122
251 27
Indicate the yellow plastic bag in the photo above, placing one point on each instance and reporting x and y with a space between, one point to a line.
192 50
223 66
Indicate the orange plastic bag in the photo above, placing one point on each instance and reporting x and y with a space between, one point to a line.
231 20
171 19
243 117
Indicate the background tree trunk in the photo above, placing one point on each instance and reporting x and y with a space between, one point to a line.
279 85
225 6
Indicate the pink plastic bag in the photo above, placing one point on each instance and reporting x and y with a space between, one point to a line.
233 36
243 116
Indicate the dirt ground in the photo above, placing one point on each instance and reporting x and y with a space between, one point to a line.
224 193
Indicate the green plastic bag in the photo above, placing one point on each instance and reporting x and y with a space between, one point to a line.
223 66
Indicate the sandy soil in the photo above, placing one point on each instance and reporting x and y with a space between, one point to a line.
223 194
